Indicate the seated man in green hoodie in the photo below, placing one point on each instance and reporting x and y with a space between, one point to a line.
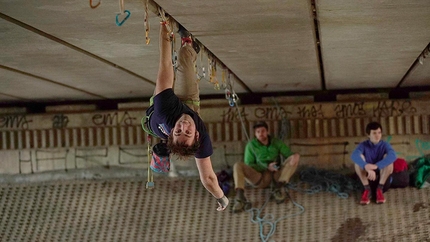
260 166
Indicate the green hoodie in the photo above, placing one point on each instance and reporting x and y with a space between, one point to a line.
259 156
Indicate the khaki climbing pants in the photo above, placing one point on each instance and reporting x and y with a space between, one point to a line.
186 85
243 172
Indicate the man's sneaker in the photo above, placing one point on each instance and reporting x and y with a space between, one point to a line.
365 198
240 205
380 196
279 196
183 32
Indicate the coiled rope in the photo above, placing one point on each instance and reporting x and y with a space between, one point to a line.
269 220
325 181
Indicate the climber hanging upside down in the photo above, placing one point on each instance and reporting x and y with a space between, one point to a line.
174 115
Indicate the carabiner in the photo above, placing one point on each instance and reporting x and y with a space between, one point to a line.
227 94
231 102
126 17
94 6
234 97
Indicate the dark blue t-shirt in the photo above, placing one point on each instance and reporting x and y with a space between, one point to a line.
167 109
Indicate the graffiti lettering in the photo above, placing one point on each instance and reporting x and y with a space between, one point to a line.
113 119
312 112
271 113
232 114
423 147
393 108
14 121
60 121
350 110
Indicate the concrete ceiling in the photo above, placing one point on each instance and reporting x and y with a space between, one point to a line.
55 51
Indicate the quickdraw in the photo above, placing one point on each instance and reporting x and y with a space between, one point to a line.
146 22
94 6
121 12
230 94
166 23
198 75
174 56
212 74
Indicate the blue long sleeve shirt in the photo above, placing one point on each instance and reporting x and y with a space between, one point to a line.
374 154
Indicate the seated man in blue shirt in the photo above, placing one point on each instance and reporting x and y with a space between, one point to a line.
374 160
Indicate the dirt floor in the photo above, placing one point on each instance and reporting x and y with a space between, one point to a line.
180 209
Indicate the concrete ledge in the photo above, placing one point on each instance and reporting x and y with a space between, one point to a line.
287 100
362 97
70 108
213 103
133 105
419 95
15 110
86 174
96 173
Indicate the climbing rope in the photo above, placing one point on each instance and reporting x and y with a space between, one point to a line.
325 181
230 94
150 181
285 130
269 220
174 56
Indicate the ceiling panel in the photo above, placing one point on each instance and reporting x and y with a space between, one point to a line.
16 86
268 44
371 44
69 51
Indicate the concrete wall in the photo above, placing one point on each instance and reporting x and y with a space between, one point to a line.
69 137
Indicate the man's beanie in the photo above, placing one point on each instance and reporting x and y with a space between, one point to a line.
261 124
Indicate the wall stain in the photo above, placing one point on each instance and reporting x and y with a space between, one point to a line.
418 206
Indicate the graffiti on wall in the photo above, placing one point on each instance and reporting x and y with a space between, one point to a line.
270 113
42 160
32 161
393 108
423 147
14 122
386 108
234 114
350 110
109 119
60 121
313 111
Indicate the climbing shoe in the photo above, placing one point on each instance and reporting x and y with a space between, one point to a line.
279 196
187 38
240 205
365 198
380 196
183 32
